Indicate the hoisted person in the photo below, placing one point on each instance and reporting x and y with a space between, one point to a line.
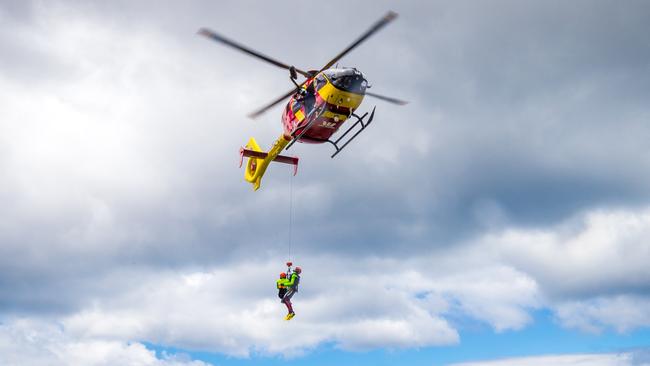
280 284
291 286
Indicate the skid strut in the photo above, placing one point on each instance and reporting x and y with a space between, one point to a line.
363 127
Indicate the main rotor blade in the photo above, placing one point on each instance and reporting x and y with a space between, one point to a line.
388 99
258 112
211 34
377 26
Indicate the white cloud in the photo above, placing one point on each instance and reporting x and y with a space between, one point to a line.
622 312
592 269
623 359
36 343
234 310
356 304
498 295
367 303
598 250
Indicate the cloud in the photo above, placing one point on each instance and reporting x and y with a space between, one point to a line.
234 310
515 180
28 342
369 303
148 117
591 269
612 359
622 312
598 252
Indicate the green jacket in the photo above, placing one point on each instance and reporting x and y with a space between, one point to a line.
281 283
293 282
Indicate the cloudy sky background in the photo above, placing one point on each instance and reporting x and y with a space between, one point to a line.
501 218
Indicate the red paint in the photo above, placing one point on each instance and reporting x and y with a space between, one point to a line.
322 129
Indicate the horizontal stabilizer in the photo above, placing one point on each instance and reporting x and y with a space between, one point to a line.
248 153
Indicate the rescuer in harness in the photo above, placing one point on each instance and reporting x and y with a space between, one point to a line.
291 287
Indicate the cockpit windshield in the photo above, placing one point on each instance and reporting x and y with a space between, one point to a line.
350 80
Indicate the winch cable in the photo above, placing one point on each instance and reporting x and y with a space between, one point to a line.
290 210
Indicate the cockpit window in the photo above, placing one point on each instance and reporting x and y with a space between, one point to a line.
320 81
350 80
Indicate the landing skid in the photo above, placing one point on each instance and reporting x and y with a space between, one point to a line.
363 127
360 120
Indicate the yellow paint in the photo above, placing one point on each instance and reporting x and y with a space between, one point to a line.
254 175
336 96
300 115
329 114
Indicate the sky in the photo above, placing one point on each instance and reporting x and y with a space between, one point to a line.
501 218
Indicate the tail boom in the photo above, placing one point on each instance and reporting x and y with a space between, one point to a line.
259 160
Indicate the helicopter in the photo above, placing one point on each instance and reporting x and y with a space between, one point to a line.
317 108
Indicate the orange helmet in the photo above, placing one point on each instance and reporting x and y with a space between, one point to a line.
283 275
297 270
